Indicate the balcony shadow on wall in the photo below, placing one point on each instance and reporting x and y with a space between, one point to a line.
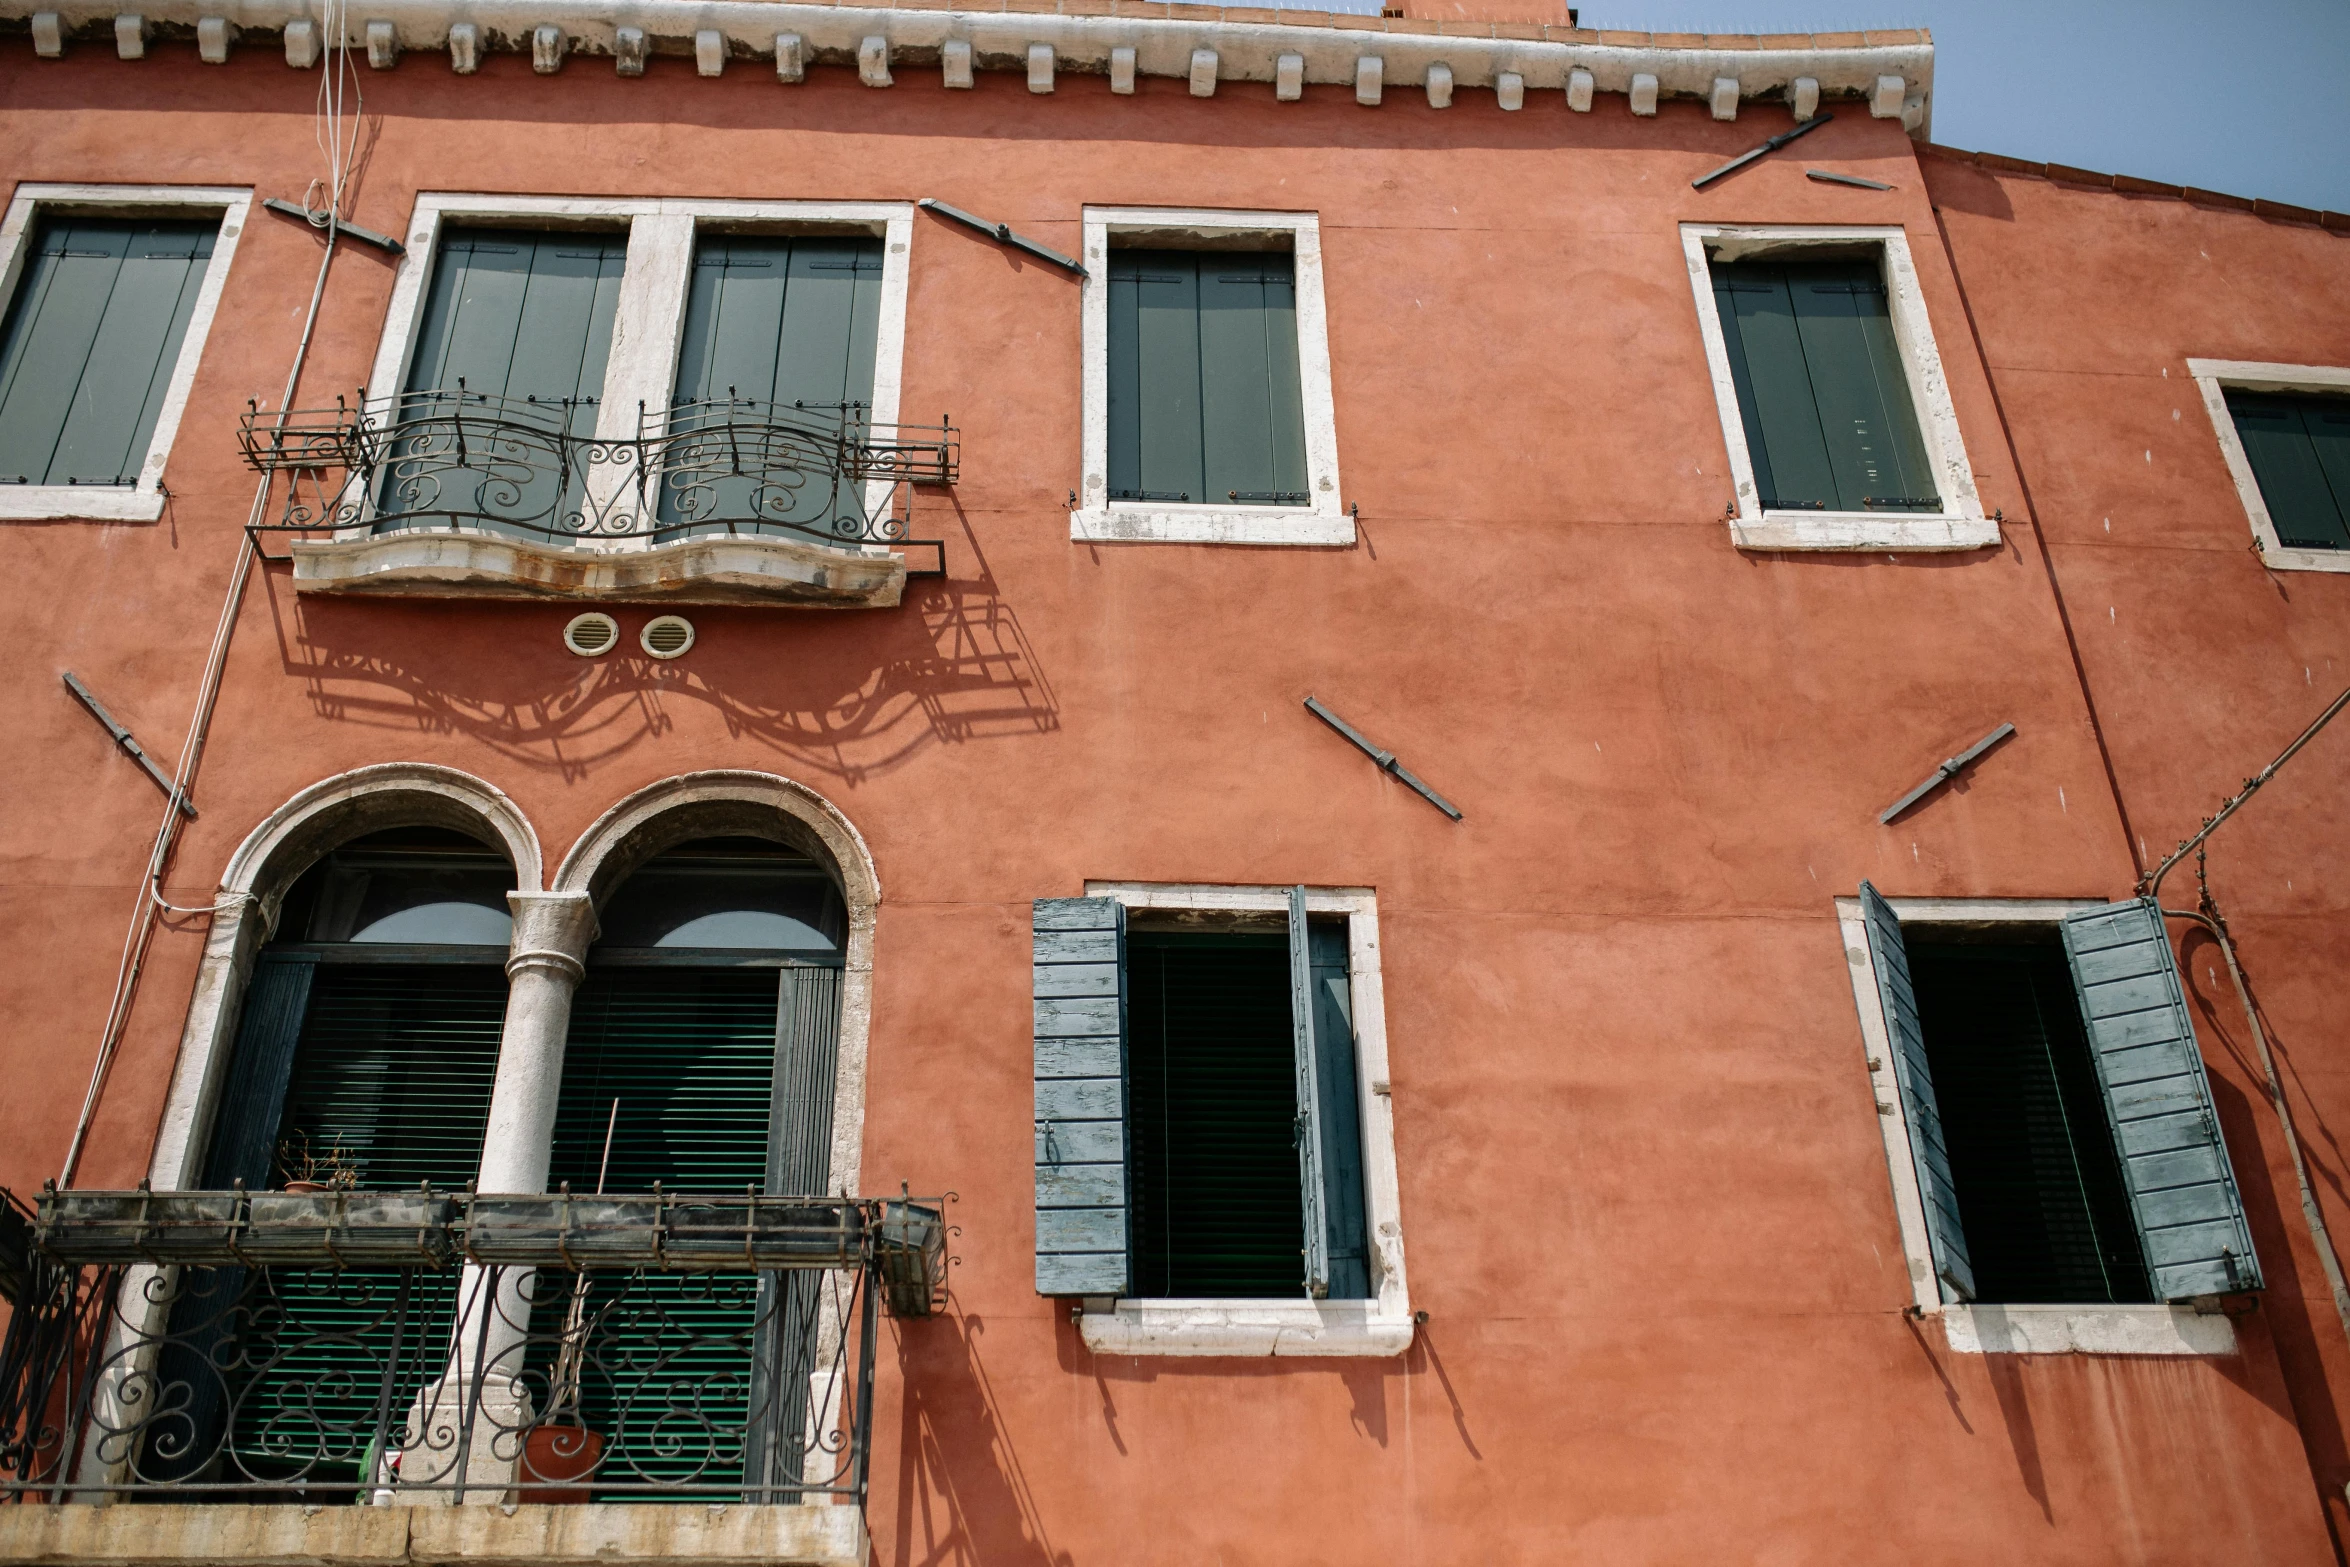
846 696
962 1494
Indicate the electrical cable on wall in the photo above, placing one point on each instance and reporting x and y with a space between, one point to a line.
338 86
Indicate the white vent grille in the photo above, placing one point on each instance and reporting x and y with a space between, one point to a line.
667 636
591 635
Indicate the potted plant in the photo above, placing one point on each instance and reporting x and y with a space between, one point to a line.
308 1174
560 1446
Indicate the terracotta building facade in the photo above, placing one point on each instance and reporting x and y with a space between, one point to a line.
726 972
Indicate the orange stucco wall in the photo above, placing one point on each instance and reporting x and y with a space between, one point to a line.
1643 1187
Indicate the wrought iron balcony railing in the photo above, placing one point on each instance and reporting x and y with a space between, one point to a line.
459 460
376 1347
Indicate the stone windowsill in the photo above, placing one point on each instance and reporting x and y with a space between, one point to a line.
1246 1327
2087 1330
1862 530
738 569
1168 524
80 503
541 1534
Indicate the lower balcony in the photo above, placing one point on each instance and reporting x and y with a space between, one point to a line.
451 494
338 1375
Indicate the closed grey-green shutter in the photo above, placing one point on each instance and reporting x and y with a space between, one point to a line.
1083 1225
775 319
1830 423
1205 400
244 1128
1345 1218
799 1162
2174 1160
2299 448
1309 1101
93 337
520 316
1939 1194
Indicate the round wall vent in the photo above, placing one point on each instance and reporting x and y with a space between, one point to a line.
591 634
667 636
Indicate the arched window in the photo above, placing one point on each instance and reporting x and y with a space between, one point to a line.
703 1044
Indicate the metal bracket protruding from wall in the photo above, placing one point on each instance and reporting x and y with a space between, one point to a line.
1002 234
123 738
1385 759
1948 770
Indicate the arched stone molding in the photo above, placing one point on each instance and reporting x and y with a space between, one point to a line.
287 843
756 805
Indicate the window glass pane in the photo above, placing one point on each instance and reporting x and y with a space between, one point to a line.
1204 394
2299 448
2040 1193
411 886
509 357
1212 1098
1821 391
740 893
779 336
91 341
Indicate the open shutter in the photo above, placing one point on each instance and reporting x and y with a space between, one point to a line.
1083 1241
244 1128
2174 1160
1345 1219
1309 1100
1919 1111
799 1162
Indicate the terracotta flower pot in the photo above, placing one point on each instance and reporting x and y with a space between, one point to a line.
558 1453
306 1188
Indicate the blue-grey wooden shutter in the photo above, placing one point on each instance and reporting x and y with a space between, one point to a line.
1154 371
1345 1210
1252 443
93 337
1309 1100
2299 448
1083 1226
799 1162
2174 1160
244 1128
1923 1116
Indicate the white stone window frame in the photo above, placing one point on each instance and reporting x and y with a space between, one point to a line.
232 204
2213 378
1380 1326
1101 520
1961 523
2005 1328
648 325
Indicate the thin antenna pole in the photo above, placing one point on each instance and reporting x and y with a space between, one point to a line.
605 1168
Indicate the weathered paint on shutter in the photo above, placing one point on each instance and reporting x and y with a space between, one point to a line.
786 320
1345 1216
2299 448
1155 376
799 1160
1252 417
244 1127
1821 391
1083 1239
1309 1100
2174 1159
92 339
1924 1117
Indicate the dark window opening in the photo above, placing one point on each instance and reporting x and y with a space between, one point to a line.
2040 1193
2299 448
411 886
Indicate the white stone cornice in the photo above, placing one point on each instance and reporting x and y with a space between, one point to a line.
1896 78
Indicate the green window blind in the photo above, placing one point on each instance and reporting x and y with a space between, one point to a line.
514 315
1826 406
774 319
1929 1149
1204 400
91 340
2299 448
2038 1185
1083 1222
1345 1214
2174 1160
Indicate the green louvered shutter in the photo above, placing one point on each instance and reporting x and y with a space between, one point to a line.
1083 1229
92 338
1924 1117
2299 448
2174 1160
774 319
1205 398
514 315
1345 1217
1829 419
1310 1156
244 1128
799 1162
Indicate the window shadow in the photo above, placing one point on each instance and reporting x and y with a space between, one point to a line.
2015 1409
962 1495
842 695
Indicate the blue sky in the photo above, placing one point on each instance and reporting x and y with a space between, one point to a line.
2250 97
